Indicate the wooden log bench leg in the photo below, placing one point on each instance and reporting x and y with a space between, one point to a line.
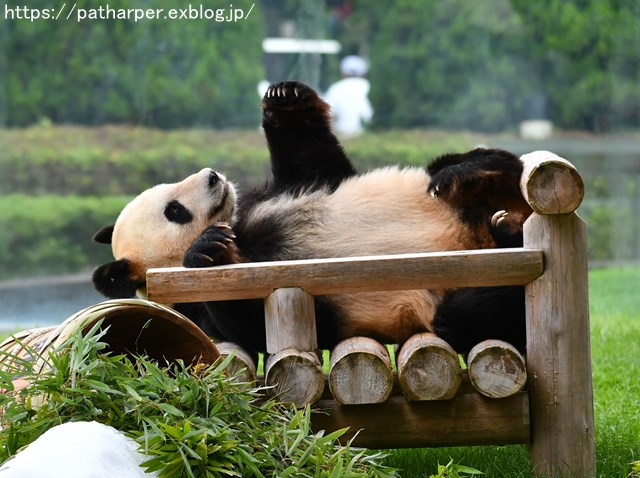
558 350
557 305
242 366
294 370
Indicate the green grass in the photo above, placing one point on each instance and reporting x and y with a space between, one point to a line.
615 343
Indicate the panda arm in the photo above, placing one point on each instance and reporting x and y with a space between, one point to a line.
304 151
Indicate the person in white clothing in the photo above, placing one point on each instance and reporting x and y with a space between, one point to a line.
349 97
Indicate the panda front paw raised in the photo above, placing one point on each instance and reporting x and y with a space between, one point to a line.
214 247
291 103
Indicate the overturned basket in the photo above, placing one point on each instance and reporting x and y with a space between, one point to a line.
134 327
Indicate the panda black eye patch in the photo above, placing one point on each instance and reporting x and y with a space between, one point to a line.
176 212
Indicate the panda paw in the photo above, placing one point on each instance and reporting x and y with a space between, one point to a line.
291 103
506 229
445 184
214 247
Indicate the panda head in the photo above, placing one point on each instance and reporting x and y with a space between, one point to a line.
156 228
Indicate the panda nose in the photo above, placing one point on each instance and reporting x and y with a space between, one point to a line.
213 179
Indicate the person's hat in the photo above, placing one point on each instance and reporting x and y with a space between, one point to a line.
354 65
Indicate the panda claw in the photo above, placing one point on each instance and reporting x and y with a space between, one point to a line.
295 90
220 244
498 217
206 258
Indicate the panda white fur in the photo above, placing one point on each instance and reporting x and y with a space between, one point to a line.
317 206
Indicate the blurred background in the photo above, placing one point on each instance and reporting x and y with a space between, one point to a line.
94 111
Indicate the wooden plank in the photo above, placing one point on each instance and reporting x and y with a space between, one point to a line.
468 418
558 350
346 275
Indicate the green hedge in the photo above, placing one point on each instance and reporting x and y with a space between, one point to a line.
52 234
126 160
122 160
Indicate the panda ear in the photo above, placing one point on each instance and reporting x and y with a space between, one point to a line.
116 280
104 235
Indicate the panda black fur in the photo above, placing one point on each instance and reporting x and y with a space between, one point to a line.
316 205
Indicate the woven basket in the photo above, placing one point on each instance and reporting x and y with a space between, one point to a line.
135 327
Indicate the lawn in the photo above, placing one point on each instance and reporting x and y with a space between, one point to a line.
615 343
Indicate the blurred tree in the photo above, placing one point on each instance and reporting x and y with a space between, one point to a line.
587 53
453 64
448 64
488 65
163 72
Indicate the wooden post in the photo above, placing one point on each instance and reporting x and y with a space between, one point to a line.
558 343
294 370
291 320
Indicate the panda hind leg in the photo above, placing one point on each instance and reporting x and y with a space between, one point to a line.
461 179
305 154
506 228
468 316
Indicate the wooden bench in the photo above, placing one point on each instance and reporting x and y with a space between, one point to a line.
553 413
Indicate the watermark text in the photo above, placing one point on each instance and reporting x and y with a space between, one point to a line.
71 12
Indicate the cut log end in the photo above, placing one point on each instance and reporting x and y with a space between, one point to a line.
242 366
496 369
551 184
428 369
360 372
295 377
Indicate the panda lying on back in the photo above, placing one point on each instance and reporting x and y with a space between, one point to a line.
317 206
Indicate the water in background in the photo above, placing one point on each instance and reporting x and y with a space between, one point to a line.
42 302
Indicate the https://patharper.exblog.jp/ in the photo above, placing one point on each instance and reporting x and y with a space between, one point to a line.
71 12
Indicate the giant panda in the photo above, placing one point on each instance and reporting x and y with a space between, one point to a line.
315 205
